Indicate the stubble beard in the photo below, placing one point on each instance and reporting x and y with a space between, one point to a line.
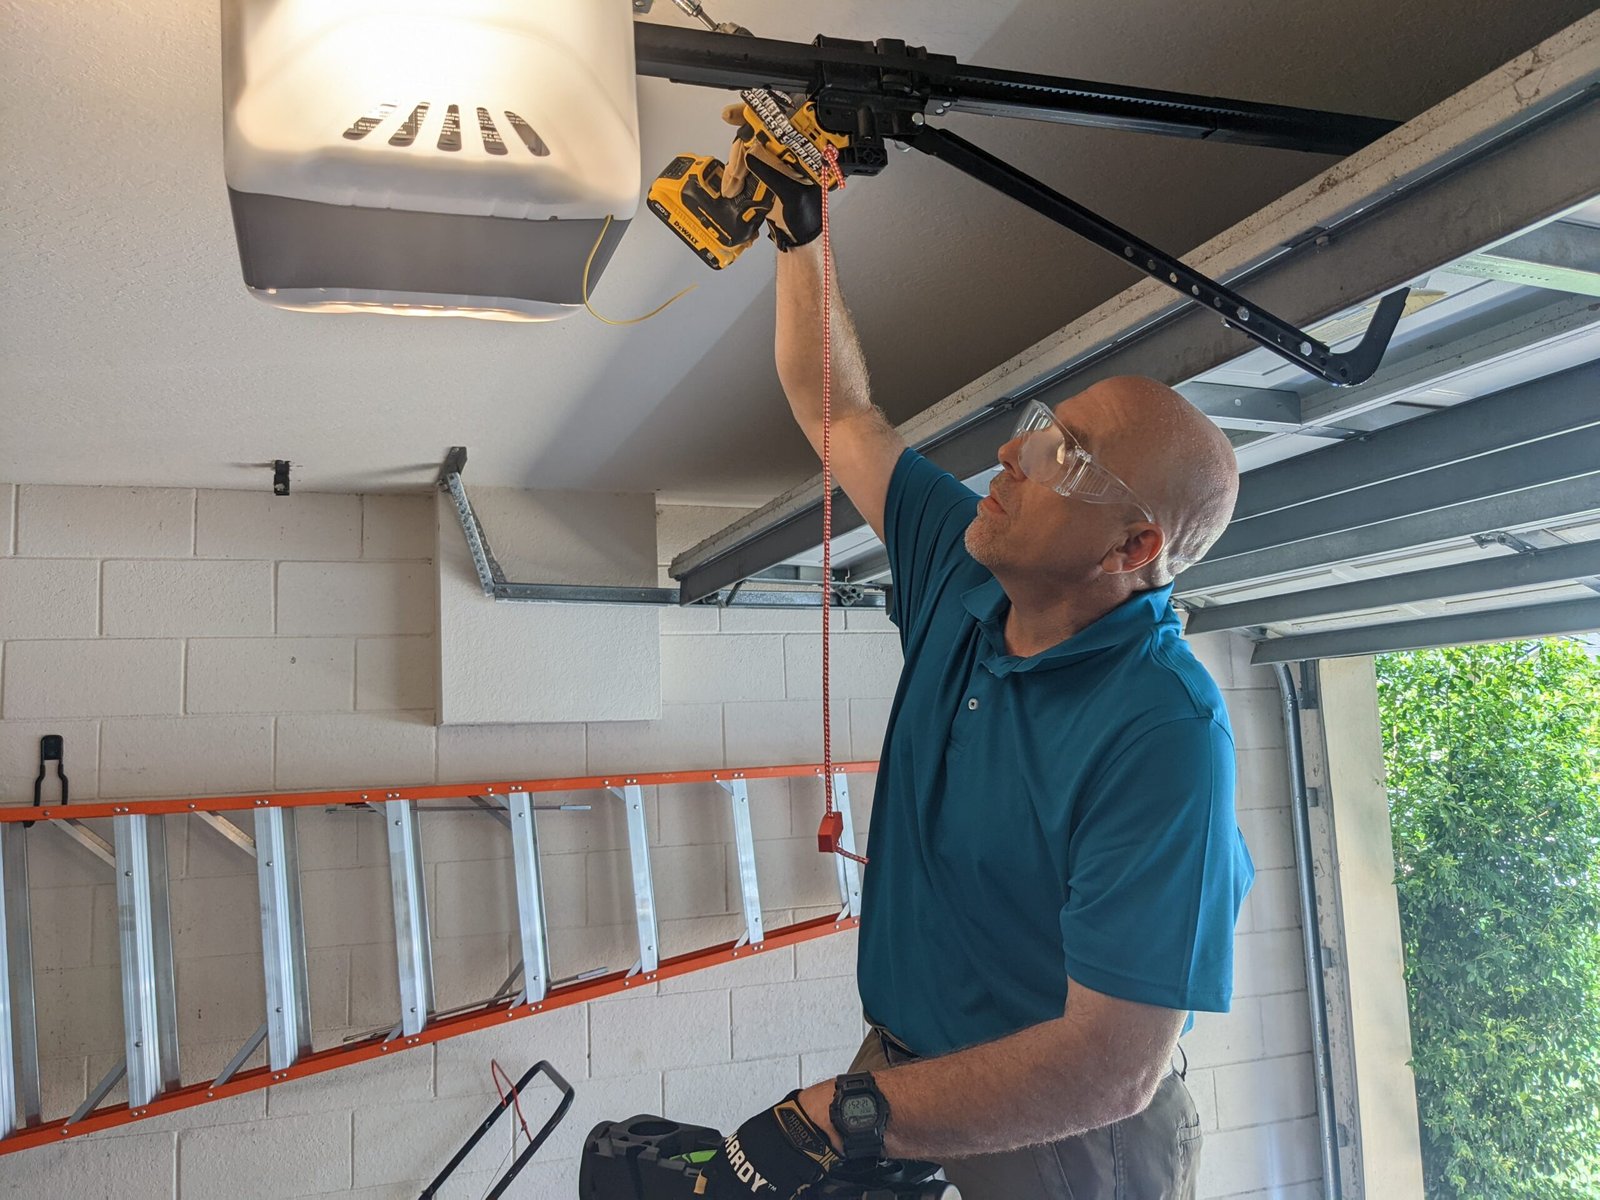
979 541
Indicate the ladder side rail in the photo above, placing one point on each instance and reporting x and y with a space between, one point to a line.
19 1035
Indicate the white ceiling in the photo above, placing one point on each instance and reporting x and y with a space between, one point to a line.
132 353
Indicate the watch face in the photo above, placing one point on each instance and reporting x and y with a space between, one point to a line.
858 1109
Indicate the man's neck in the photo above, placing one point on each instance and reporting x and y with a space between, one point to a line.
1042 617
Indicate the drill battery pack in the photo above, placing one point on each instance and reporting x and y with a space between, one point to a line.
688 197
652 1158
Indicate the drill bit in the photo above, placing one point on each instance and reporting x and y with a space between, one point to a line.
695 9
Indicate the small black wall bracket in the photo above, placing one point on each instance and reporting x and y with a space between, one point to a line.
51 749
280 477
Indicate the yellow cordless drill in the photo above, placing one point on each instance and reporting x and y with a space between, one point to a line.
775 172
780 181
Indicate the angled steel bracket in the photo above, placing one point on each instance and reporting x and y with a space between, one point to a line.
496 586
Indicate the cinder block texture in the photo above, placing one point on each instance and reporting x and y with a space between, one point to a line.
1221 1038
19 760
722 1095
341 751
685 737
1257 719
292 1156
510 752
721 667
330 599
403 1076
400 1142
1259 1159
397 526
791 1018
1215 652
187 599
8 518
1269 1089
399 672
560 1035
1268 834
92 679
304 525
658 1032
864 665
549 662
1263 779
185 756
98 522
48 598
131 1164
227 675
1265 963
784 731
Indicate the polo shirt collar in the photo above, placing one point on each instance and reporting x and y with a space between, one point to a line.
1134 617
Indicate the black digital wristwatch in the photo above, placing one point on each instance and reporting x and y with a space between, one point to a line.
860 1114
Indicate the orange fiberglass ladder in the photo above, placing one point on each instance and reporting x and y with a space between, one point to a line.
137 852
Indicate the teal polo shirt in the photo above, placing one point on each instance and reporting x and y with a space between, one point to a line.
1066 814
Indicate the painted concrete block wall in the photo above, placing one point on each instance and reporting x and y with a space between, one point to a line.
235 706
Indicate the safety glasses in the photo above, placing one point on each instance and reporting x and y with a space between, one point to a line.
1050 455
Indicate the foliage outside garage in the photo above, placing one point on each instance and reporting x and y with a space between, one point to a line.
1493 771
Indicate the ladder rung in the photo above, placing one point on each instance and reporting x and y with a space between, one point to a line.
530 898
19 1038
849 871
413 946
744 843
283 937
644 894
149 1000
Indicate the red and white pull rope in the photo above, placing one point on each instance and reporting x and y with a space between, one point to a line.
833 175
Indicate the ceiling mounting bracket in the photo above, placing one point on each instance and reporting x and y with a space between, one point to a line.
882 91
492 577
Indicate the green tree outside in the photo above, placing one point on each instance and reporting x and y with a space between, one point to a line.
1493 761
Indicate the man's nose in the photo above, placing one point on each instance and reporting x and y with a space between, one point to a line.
1009 457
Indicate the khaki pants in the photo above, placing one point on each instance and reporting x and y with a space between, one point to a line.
1154 1155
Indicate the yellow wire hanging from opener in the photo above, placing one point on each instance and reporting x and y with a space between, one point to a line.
589 262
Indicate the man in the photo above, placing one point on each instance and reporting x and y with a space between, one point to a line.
1056 868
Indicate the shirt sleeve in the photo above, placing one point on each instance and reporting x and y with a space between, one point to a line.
1157 870
925 521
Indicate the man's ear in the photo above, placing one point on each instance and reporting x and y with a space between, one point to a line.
1140 547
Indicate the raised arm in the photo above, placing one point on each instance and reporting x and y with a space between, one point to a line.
865 446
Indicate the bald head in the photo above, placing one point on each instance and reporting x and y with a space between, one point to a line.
1170 454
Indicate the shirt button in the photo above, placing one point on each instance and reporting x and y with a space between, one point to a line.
972 704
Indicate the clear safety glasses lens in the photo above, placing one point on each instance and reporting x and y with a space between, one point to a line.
1051 456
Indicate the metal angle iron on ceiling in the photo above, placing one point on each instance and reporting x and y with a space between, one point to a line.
844 592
